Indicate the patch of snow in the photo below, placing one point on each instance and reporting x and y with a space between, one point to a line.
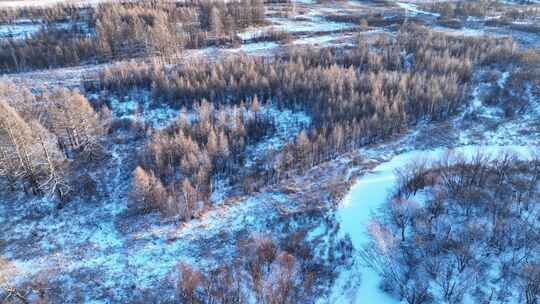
412 9
316 24
503 79
477 106
19 31
24 28
256 47
523 22
465 31
220 189
140 108
323 40
252 33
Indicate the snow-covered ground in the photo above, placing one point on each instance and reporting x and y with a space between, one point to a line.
130 253
140 108
288 125
326 40
307 24
26 28
18 30
315 24
82 239
256 47
72 244
413 10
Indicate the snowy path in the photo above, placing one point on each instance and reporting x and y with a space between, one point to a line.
412 9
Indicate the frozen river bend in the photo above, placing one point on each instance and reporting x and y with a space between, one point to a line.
368 194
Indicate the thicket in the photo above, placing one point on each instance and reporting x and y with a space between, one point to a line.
461 9
180 163
520 89
119 30
453 14
522 13
473 233
265 273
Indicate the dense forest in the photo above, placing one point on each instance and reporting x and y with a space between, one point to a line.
122 30
353 97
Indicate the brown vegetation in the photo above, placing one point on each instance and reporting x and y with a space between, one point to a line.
40 134
264 272
119 30
354 98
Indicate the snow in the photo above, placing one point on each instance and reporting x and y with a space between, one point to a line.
414 10
288 125
503 79
315 24
465 31
87 237
219 191
491 126
304 25
324 40
477 105
24 28
21 30
256 47
119 252
140 108
252 33
368 194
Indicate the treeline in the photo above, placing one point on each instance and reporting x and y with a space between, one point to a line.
120 30
341 78
461 9
472 234
354 98
44 14
41 135
522 13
